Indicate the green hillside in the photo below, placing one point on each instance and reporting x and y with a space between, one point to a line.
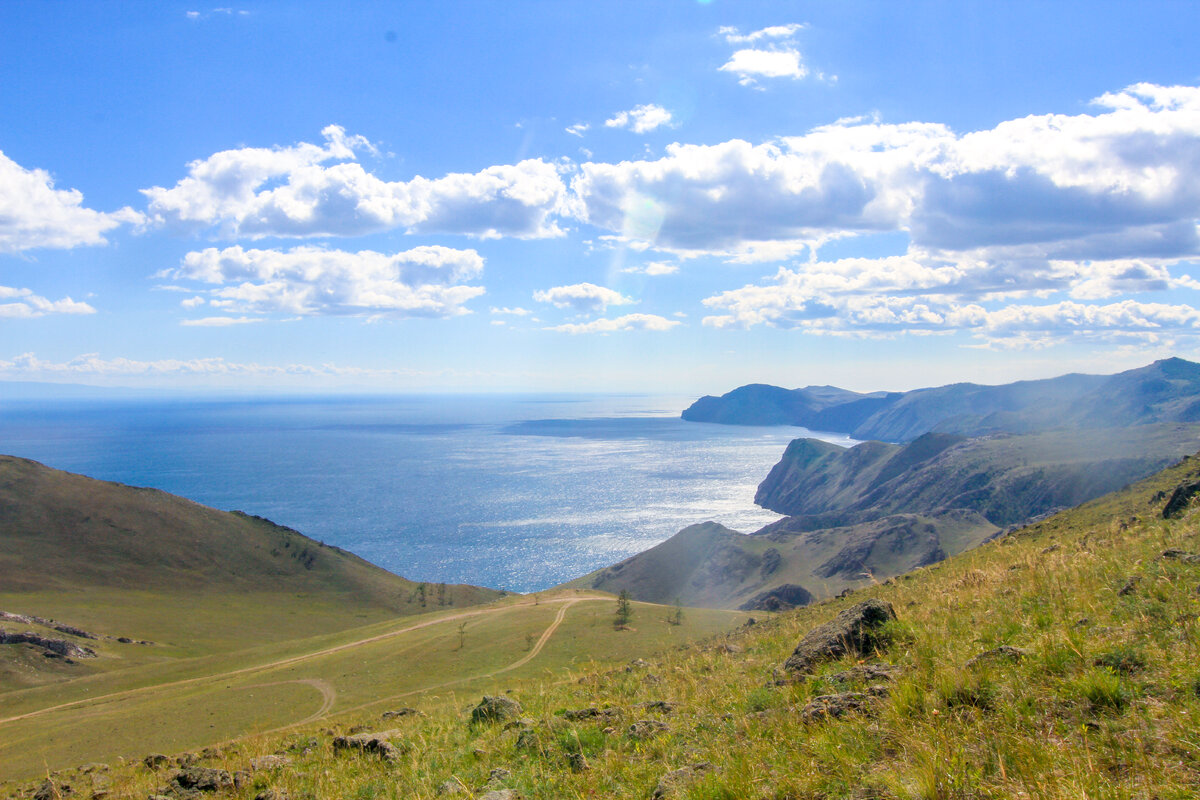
1056 661
118 562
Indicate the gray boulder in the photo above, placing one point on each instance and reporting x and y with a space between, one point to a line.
495 709
855 631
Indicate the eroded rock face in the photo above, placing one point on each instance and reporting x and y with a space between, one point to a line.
495 709
855 631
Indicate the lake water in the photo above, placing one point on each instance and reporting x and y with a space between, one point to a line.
518 493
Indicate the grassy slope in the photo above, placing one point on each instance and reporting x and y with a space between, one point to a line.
1106 703
119 561
403 662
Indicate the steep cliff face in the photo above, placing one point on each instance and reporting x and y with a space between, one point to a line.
1007 479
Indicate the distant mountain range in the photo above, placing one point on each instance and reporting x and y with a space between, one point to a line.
1165 391
940 471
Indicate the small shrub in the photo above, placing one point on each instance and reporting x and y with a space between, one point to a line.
759 699
968 690
1122 660
1102 689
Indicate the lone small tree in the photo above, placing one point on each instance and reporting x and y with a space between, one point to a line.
624 610
676 615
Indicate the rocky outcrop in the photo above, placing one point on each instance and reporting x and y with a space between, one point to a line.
56 647
857 630
384 744
1180 499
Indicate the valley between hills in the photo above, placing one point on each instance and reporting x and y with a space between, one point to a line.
1035 546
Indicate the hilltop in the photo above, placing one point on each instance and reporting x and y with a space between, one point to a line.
1165 391
1057 660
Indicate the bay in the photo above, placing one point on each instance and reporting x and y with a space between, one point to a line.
513 492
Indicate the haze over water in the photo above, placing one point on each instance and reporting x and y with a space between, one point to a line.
519 493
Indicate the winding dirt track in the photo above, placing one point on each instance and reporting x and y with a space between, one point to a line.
328 699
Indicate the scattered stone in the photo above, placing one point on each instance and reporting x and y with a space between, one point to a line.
1004 652
200 779
578 761
302 746
495 709
1130 586
378 743
52 791
155 760
1180 555
271 794
591 712
499 774
241 779
523 722
452 786
864 673
186 759
527 739
269 762
728 647
835 705
499 794
856 630
403 712
652 678
661 706
124 640
637 663
670 784
646 728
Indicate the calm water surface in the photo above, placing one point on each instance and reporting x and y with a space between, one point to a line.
519 493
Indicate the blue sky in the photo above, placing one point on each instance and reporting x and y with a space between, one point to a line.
671 196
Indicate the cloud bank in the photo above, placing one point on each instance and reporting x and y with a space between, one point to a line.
310 281
295 191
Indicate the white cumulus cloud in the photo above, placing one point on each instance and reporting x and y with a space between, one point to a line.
772 54
640 119
585 298
295 192
308 281
750 65
33 214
